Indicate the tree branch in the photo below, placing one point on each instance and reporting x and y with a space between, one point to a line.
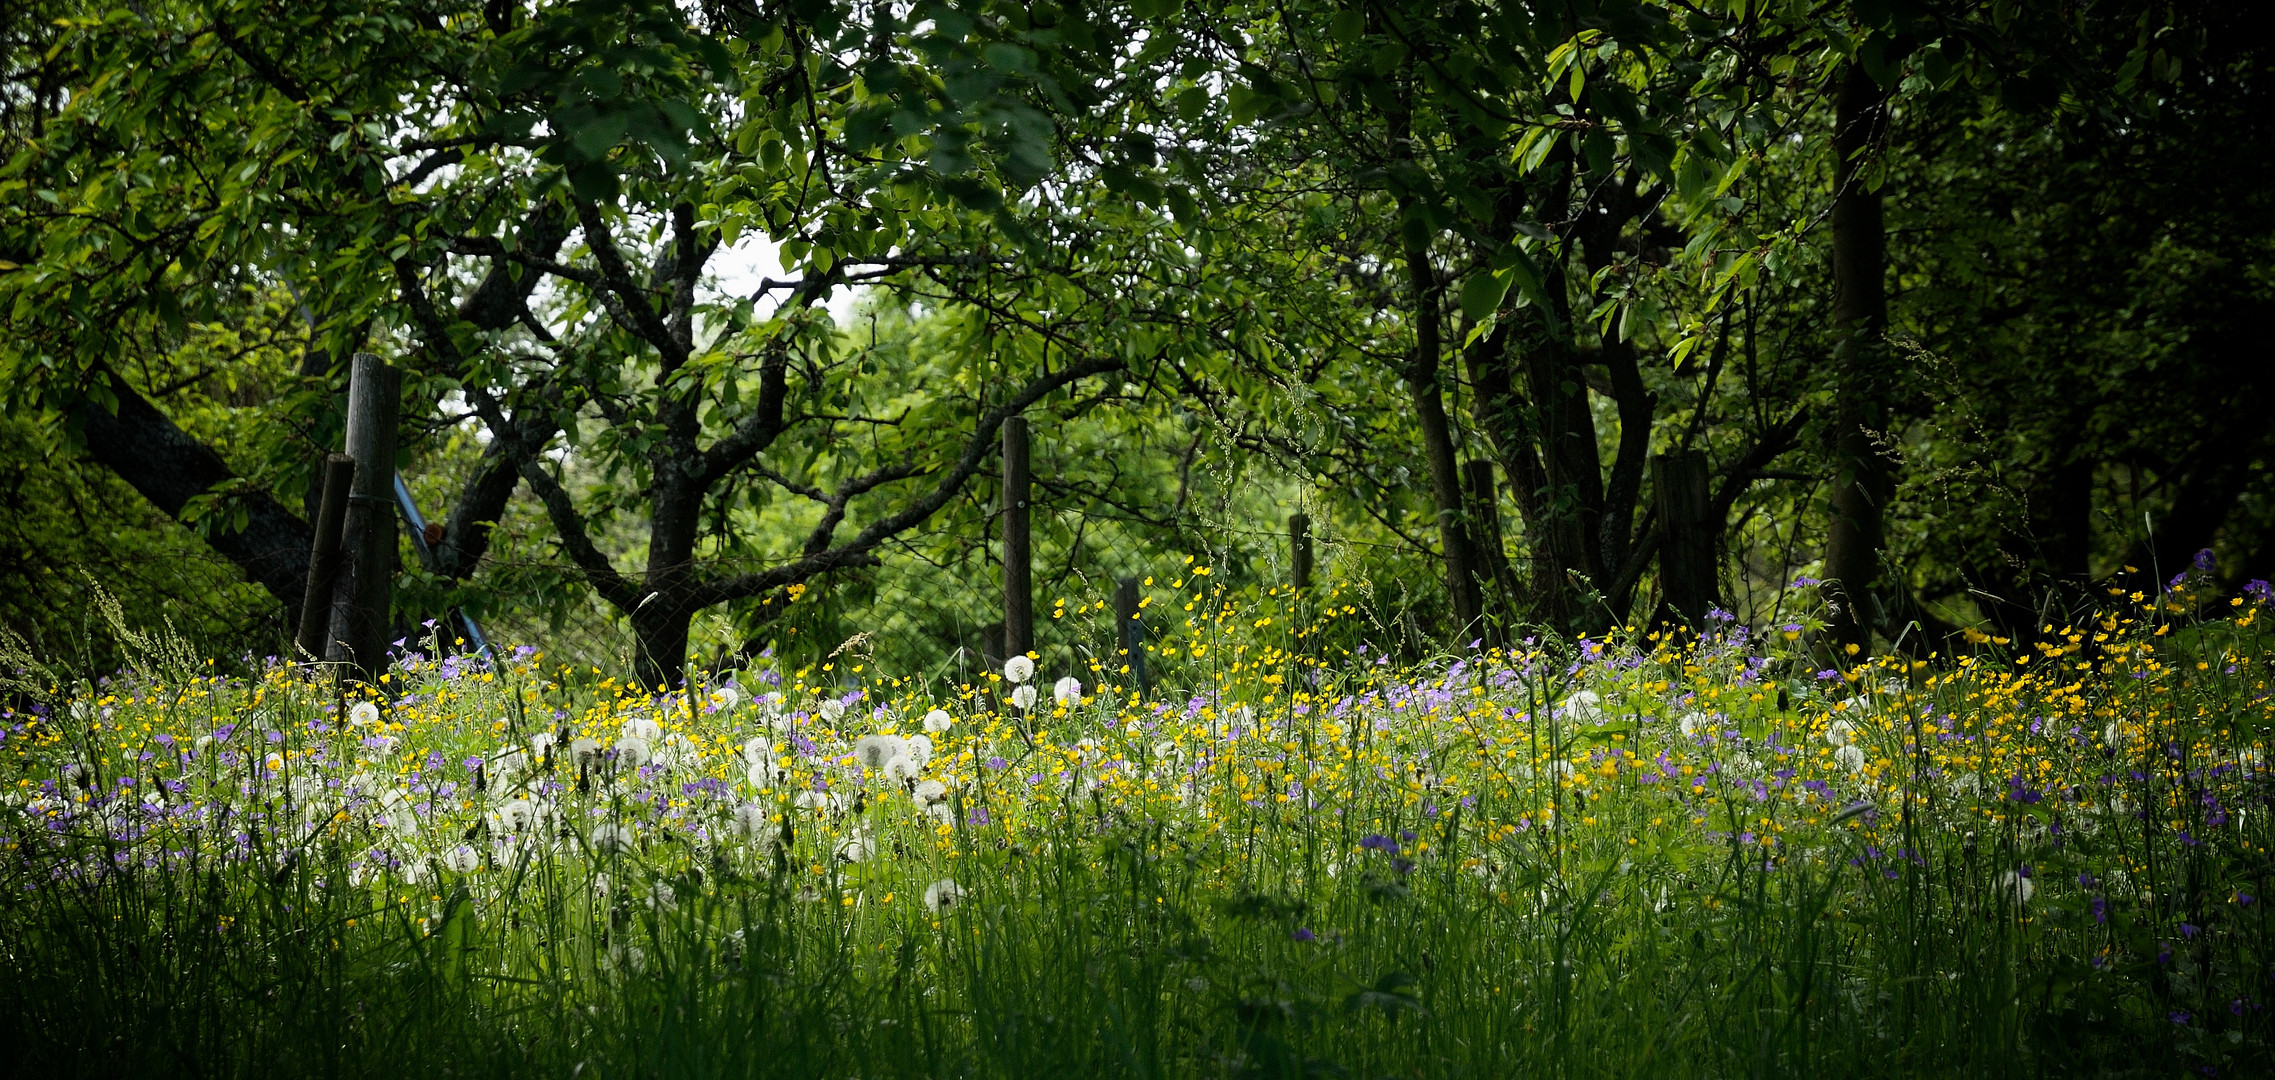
860 551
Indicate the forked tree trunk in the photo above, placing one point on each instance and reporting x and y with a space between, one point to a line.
1861 475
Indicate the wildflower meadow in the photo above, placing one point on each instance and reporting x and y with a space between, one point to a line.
1650 854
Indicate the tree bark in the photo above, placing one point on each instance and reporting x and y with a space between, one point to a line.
1018 566
1422 384
169 468
1686 552
1862 480
661 618
1492 551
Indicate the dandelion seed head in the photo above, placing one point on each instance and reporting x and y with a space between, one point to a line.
943 895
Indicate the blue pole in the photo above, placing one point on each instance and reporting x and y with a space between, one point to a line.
418 524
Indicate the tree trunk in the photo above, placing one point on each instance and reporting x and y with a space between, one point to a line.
1614 529
1687 578
1492 550
1861 476
659 643
1018 567
1421 375
1572 476
660 619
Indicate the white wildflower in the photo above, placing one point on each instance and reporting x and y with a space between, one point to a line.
1018 669
1023 697
758 750
1841 733
1850 757
1068 691
462 860
2113 736
662 898
943 895
856 848
761 776
642 728
633 752
751 822
919 749
931 791
584 749
609 838
509 765
902 769
810 800
878 751
938 721
517 816
727 697
677 752
540 743
1584 706
624 956
1694 722
2020 887
830 709
363 714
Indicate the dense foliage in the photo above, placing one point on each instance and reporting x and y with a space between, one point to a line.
1952 305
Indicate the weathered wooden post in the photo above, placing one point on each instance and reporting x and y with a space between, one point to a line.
1686 550
1299 549
1018 567
1129 633
364 595
324 556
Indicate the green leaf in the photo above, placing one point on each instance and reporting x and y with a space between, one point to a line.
598 136
1481 295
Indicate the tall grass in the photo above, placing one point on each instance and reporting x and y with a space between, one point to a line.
1635 857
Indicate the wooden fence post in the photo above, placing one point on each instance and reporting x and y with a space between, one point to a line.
1299 549
1018 567
1686 554
324 556
1129 633
364 595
